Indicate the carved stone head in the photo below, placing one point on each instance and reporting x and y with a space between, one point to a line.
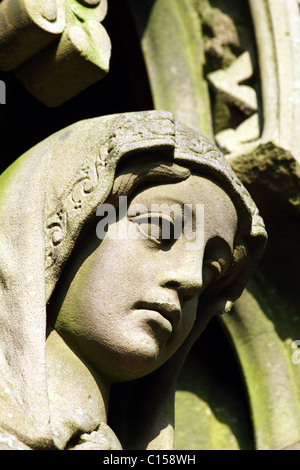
132 304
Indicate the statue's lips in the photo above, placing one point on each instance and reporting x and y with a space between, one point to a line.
168 310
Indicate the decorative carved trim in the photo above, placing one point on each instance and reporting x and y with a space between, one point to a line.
57 225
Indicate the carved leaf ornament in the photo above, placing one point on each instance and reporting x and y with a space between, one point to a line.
57 48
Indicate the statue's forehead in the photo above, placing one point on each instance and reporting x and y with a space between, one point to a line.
195 189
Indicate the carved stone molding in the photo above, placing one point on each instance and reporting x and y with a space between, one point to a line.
277 30
57 48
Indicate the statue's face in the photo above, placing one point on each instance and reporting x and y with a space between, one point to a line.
131 303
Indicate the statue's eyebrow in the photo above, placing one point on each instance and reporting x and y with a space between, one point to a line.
159 204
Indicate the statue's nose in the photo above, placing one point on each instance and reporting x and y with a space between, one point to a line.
186 277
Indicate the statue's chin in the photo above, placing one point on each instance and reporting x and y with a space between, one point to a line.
141 355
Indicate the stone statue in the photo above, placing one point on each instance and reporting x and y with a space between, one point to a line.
94 331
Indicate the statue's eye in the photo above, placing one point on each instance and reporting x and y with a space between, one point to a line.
156 227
